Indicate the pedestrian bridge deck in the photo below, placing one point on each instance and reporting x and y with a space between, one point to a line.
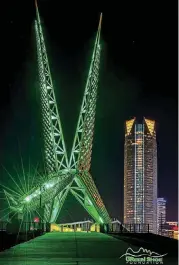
68 248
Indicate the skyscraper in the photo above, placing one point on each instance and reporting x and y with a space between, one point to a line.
140 173
161 213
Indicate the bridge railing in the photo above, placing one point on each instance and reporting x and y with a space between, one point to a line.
24 227
117 227
35 226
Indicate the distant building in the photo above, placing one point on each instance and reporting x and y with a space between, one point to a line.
176 235
161 214
169 230
172 223
140 173
172 226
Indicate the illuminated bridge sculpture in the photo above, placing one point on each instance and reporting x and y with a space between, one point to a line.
65 174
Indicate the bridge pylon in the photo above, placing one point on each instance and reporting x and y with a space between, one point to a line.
65 174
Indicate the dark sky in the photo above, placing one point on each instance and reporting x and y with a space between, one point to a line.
138 77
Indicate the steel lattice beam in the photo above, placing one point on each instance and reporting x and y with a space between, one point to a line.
55 150
82 145
92 201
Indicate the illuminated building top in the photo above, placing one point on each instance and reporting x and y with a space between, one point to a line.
150 125
129 125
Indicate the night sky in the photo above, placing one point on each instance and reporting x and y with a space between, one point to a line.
138 77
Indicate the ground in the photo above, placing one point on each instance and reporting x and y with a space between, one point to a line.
69 248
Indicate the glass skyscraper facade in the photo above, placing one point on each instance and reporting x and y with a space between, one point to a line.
161 213
140 173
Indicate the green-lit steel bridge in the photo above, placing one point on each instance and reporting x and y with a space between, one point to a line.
65 173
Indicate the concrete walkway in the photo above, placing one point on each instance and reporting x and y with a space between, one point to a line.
68 248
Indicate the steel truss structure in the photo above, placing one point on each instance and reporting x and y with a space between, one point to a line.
65 175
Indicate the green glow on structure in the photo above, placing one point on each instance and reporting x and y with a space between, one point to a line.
27 198
66 175
101 220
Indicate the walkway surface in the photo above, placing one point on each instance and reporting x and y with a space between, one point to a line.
69 248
